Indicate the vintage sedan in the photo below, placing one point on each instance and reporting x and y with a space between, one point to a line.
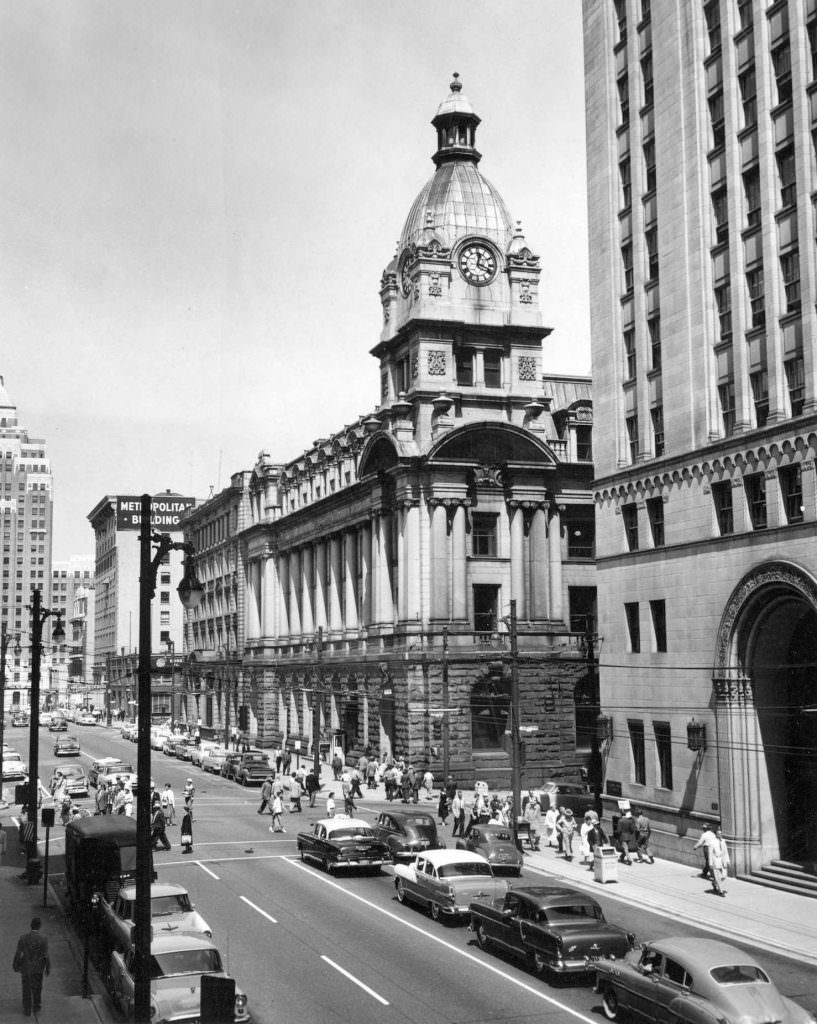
554 928
13 766
342 842
197 752
20 718
693 980
407 833
177 963
66 746
495 843
183 748
170 911
213 759
58 723
74 779
446 881
104 765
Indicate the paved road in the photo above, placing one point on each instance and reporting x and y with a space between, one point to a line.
315 948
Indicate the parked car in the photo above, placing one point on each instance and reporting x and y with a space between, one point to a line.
20 718
693 980
170 911
342 842
213 759
573 795
66 746
127 730
86 718
45 718
495 843
183 748
197 752
169 745
552 927
251 768
446 881
75 779
58 723
158 735
228 765
13 766
103 765
177 963
407 833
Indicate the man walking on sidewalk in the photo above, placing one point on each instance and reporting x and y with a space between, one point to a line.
642 838
32 962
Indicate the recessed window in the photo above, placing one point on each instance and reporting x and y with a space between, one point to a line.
759 381
657 418
722 500
716 120
796 381
723 303
791 491
790 269
629 516
786 172
633 626
751 190
485 608
651 240
627 265
755 487
584 444
720 211
631 426
747 82
492 365
654 330
781 61
636 730
647 80
712 13
663 749
626 187
658 614
624 98
464 358
629 353
484 535
580 526
649 165
655 512
726 396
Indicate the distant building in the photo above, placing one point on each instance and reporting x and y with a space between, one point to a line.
68 578
701 164
26 501
115 522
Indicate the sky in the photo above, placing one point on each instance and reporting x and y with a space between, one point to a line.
199 199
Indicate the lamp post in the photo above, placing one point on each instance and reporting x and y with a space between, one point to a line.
38 617
190 592
5 640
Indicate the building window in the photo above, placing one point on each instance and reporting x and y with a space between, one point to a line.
787 177
812 42
647 79
621 19
636 730
490 705
791 490
629 516
633 626
655 512
485 606
492 367
760 394
796 381
484 534
654 331
657 418
723 302
629 353
627 265
754 485
751 190
712 13
626 185
747 82
624 99
716 120
631 425
663 748
755 286
790 269
722 500
464 358
582 609
658 614
584 444
781 60
651 239
649 165
744 13
580 526
720 212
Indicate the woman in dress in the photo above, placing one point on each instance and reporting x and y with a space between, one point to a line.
187 827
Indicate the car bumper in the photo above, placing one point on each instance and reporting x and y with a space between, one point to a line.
358 863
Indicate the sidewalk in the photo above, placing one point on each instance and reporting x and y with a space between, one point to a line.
63 1002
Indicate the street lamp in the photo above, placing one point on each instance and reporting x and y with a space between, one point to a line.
38 617
190 592
5 640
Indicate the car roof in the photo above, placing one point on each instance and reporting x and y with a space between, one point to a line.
128 892
552 895
712 952
410 816
438 857
339 821
76 769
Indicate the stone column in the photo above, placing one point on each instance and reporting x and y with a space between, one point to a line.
375 571
459 597
350 558
537 541
366 573
281 595
254 600
307 620
335 615
413 565
402 589
746 809
440 564
555 559
294 587
320 585
270 599
386 609
517 518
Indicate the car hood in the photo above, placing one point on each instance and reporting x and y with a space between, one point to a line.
191 921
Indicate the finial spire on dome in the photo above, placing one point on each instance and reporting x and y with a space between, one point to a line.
456 125
456 85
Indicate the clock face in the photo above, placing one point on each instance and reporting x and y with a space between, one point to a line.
405 277
477 263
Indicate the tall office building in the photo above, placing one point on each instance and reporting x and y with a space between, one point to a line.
70 579
26 496
701 160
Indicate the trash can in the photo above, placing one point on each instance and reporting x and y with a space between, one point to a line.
605 864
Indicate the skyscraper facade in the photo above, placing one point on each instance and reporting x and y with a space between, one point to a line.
701 162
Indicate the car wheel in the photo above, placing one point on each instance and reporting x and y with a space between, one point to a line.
401 890
610 1004
436 913
482 937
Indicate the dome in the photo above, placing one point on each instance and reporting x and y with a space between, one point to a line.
461 202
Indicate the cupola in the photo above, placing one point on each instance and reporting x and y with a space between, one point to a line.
456 125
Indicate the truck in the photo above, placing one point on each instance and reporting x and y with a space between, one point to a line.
555 929
100 856
251 768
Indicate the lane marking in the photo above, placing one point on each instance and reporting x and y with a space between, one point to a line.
357 981
204 867
255 907
484 965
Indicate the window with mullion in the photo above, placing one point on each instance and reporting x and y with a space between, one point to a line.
654 331
629 516
636 729
657 417
781 60
484 534
757 300
663 748
791 490
796 381
629 353
655 512
754 485
790 269
747 82
759 381
751 189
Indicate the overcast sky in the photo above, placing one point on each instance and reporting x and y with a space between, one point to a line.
199 199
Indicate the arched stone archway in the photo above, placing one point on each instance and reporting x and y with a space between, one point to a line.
765 693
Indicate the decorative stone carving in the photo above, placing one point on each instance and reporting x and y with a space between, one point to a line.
436 363
524 291
384 386
434 286
527 368
732 689
488 476
415 366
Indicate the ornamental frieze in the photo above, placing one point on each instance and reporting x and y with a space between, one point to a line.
436 363
527 368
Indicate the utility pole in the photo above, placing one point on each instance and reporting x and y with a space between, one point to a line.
445 723
516 752
316 705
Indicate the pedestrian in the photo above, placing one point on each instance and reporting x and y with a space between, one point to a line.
128 801
155 797
287 761
719 861
65 808
584 834
312 786
450 789
189 794
442 808
330 805
356 780
157 829
31 962
337 766
295 794
549 821
388 782
120 797
234 737
567 830
266 795
169 804
197 738
277 814
596 837
533 816
643 829
428 783
626 837
704 842
279 760
101 799
371 774
458 813
186 838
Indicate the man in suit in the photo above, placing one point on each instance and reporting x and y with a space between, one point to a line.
31 960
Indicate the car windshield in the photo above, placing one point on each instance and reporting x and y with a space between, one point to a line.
73 771
362 832
258 758
573 911
185 961
423 820
464 868
739 974
177 903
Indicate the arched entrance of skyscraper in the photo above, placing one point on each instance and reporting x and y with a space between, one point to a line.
765 691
